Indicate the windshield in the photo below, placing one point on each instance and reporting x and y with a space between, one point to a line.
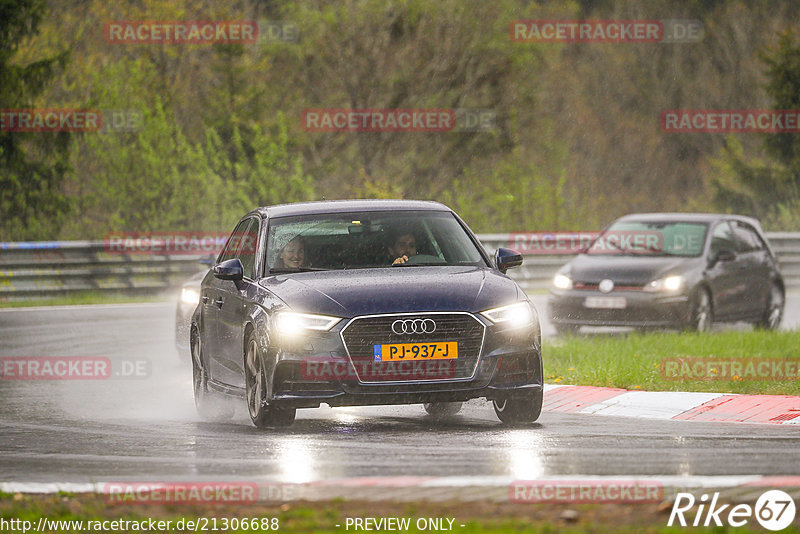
651 239
360 240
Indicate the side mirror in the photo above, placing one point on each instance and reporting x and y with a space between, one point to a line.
229 270
506 258
724 254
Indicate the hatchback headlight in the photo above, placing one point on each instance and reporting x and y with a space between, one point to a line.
291 323
562 281
189 296
513 315
669 283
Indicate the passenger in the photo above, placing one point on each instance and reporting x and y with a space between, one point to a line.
401 245
292 255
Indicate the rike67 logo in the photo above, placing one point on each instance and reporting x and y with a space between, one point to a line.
774 510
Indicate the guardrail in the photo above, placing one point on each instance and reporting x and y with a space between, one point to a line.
41 269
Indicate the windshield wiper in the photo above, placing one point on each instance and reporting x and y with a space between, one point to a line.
436 264
283 270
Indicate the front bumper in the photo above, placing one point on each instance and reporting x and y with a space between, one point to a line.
319 369
642 309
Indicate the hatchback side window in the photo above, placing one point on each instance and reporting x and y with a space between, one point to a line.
747 239
232 246
722 238
247 253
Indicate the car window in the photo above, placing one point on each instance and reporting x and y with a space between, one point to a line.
232 245
747 240
247 252
722 238
361 239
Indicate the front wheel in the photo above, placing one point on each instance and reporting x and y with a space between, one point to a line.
702 313
263 414
519 408
773 315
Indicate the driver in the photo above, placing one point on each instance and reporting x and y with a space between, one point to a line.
401 246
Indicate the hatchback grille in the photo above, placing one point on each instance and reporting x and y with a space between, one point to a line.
362 334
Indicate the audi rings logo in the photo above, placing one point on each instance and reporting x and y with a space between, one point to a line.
414 326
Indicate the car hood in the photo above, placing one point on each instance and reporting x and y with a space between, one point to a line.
394 290
626 270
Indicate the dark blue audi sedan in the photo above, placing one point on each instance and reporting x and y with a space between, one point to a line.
362 302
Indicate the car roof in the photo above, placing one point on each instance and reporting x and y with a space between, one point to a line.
343 206
686 217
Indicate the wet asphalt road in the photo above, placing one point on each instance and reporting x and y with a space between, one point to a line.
145 428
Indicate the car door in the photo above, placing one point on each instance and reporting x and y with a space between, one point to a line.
755 269
232 309
723 276
212 301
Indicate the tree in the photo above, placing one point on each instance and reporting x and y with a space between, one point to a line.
767 187
32 164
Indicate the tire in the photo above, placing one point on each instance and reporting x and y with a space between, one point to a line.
210 406
442 409
263 414
520 408
701 316
773 314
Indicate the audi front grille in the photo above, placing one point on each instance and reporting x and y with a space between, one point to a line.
362 334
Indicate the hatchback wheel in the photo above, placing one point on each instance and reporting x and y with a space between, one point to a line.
263 414
520 408
773 315
702 314
210 406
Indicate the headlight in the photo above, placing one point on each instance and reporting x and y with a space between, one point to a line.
561 281
519 314
670 283
291 323
189 296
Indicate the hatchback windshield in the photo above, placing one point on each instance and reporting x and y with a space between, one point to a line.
361 240
651 239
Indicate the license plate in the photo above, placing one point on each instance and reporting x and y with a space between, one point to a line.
396 352
616 303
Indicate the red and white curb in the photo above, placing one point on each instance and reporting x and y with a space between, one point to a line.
675 405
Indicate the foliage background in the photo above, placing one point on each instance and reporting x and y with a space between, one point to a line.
577 140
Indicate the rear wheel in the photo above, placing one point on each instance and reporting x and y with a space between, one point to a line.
263 414
519 408
442 409
702 315
210 406
773 315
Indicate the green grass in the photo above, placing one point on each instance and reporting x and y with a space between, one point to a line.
85 297
637 361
